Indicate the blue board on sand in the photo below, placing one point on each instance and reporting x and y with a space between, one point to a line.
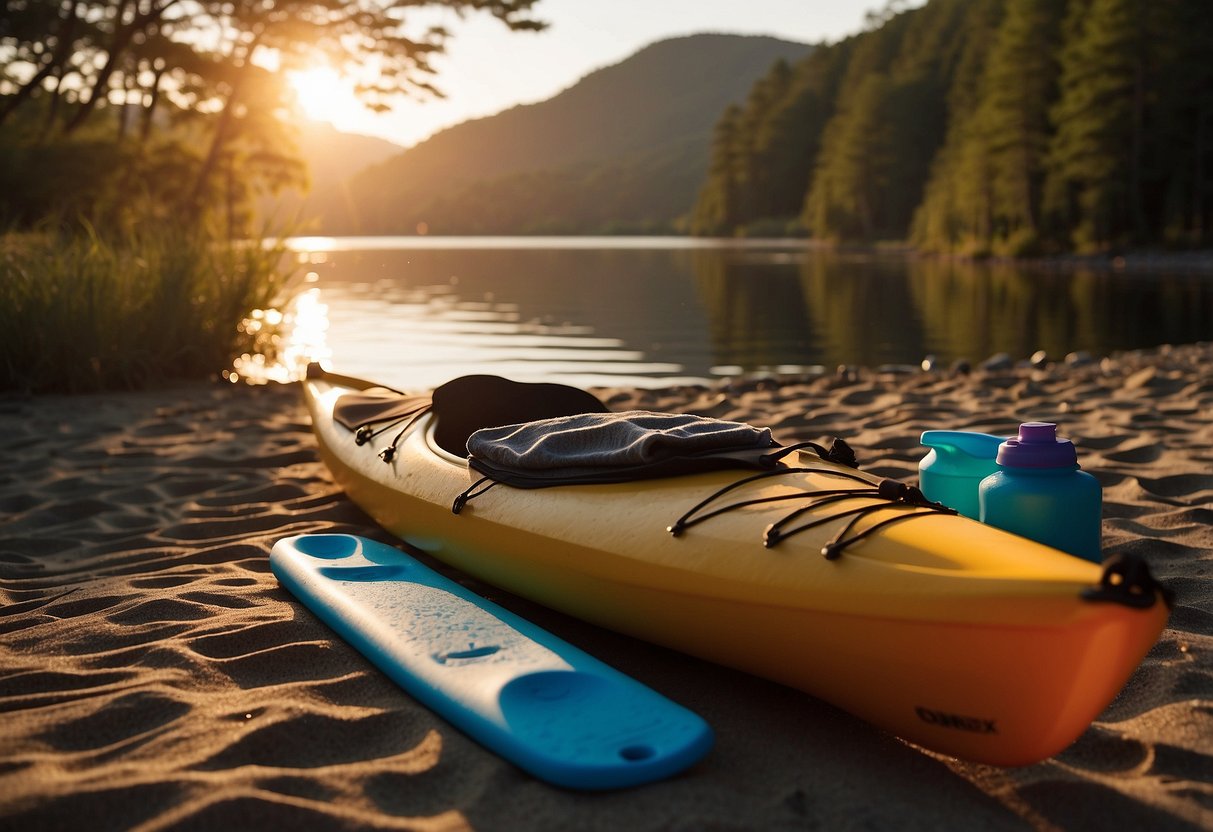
543 704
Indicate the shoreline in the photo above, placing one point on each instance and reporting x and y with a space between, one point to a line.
1127 260
154 675
1144 259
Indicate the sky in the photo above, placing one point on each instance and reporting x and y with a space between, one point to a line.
487 68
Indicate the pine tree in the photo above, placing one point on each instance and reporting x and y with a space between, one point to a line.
756 144
762 154
877 151
715 212
997 126
955 211
1095 157
1012 122
1183 141
852 174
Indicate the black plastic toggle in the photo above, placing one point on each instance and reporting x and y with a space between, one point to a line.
1127 580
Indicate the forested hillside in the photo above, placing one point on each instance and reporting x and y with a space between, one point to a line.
624 149
983 126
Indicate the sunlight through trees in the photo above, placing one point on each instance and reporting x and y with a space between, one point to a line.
185 105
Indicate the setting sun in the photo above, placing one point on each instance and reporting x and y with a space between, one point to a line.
326 95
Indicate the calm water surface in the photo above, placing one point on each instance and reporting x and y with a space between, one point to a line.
414 312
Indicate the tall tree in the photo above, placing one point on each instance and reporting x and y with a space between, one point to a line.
1001 126
40 37
1012 123
789 138
991 169
715 211
1182 140
757 142
853 173
877 150
956 206
762 155
219 61
1096 155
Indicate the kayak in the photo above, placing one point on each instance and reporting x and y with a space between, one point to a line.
953 635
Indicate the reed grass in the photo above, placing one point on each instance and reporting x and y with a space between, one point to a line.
82 311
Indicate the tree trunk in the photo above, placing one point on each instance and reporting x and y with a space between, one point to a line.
52 111
123 35
63 49
194 200
153 98
124 113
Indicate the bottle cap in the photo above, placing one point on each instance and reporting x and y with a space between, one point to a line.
963 452
1037 446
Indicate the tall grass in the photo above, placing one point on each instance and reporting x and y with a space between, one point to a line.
81 311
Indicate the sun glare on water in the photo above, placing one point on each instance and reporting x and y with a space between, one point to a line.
326 95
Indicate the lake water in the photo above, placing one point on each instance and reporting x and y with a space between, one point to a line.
414 312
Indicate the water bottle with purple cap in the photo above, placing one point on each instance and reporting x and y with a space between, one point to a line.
1040 493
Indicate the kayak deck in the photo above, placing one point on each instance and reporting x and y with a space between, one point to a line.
946 632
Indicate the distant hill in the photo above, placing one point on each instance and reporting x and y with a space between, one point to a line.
625 149
332 157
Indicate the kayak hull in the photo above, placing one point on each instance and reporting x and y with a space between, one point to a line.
965 640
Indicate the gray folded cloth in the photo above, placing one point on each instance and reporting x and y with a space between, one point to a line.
594 441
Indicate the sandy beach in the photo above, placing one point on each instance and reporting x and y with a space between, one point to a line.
153 674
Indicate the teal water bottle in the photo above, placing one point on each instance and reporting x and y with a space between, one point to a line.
1040 493
955 466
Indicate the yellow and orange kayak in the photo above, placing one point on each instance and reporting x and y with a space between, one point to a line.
948 633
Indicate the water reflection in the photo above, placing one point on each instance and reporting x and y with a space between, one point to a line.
872 310
975 310
756 311
644 313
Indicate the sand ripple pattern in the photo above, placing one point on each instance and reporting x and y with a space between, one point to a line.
154 676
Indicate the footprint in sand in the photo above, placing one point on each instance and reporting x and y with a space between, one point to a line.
128 720
1137 456
1101 750
1196 486
311 740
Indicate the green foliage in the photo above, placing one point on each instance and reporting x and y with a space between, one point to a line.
135 139
855 166
985 191
50 179
82 311
762 155
1093 153
1129 161
987 127
107 183
717 211
877 149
